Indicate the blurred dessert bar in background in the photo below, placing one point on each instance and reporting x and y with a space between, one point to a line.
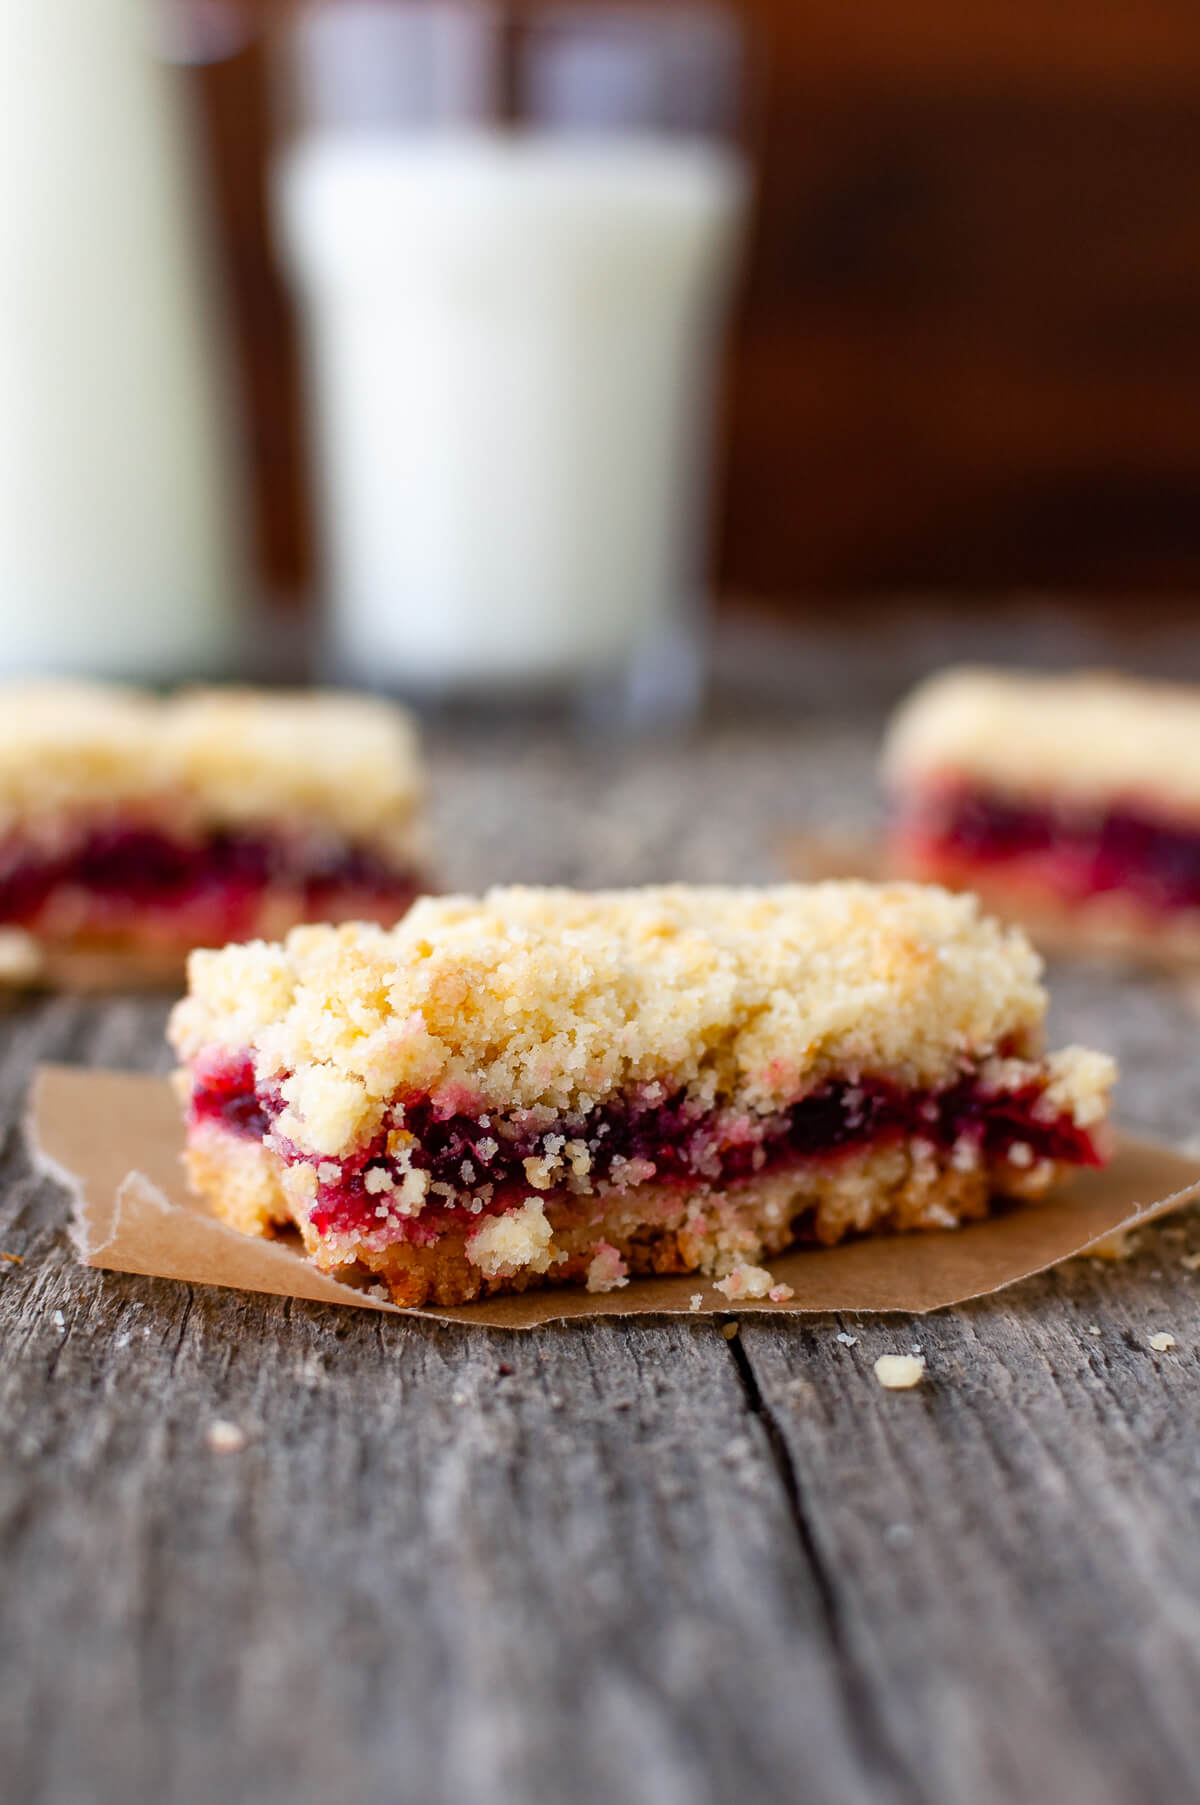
1072 801
129 822
540 1086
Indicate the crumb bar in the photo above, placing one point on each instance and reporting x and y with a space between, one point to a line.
128 820
546 1085
1064 799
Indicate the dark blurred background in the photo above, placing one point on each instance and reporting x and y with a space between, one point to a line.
968 352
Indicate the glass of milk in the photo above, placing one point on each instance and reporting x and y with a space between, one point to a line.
121 542
514 240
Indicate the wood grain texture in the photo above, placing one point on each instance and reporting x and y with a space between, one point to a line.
602 1563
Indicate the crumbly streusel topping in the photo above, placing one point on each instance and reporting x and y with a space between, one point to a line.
559 999
209 757
1088 736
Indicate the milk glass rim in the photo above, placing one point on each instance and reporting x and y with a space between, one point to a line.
667 67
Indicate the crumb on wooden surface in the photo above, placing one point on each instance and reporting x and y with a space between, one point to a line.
900 1372
225 1438
696 1301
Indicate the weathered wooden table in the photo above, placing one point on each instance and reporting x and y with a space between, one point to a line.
634 1564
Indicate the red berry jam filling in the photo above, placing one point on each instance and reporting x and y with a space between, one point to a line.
225 1092
122 873
1079 853
476 1164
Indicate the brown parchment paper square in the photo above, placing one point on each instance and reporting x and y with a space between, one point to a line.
114 1139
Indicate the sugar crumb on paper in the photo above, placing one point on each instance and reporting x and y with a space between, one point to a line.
746 1281
1121 1245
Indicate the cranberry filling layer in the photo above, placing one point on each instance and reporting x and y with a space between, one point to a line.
1076 852
121 871
479 1164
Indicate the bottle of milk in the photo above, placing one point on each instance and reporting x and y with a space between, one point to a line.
119 549
514 252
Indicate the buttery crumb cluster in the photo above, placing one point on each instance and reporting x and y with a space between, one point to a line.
1089 735
223 756
544 1082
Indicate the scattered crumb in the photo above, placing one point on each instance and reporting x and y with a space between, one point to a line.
781 1294
847 1340
20 956
917 1349
1094 1328
59 1320
746 1281
1162 1343
1191 1261
696 1300
729 1330
226 1438
14 1259
607 1271
899 1372
1121 1245
505 1245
